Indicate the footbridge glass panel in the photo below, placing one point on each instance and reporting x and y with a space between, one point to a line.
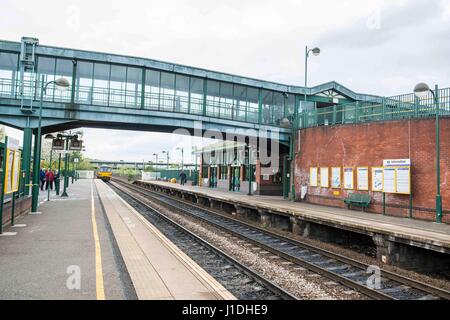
123 82
8 73
113 85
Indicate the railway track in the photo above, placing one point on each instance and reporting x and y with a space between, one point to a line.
346 271
241 281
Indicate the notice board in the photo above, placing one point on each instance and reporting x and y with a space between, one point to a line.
362 179
348 178
313 177
377 179
324 177
336 177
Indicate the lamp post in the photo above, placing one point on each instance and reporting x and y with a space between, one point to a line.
167 152
195 166
421 90
66 168
57 182
250 169
76 161
315 51
294 120
50 137
61 84
67 137
182 157
156 161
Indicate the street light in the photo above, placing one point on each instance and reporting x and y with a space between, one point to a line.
285 122
167 152
195 180
421 90
315 51
61 84
50 137
156 162
182 157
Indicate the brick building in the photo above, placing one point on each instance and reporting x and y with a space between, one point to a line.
368 144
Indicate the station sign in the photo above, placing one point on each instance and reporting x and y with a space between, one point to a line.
76 145
396 162
13 144
397 176
58 144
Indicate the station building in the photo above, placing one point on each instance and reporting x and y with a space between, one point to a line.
358 139
229 165
342 138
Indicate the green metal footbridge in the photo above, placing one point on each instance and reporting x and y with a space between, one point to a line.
121 92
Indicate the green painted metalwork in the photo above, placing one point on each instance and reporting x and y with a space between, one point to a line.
437 97
405 106
105 84
26 159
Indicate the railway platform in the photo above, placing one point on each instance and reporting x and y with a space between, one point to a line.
399 241
92 245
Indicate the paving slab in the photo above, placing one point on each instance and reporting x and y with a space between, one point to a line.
51 249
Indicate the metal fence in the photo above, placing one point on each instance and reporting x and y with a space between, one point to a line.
406 106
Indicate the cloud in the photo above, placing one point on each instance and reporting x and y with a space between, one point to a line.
384 24
374 46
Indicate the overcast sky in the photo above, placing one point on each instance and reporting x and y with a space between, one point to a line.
381 47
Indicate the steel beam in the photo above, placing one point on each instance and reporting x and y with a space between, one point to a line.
26 159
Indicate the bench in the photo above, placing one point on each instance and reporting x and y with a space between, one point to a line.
357 199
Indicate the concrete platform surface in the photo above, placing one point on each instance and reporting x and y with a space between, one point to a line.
53 254
427 232
157 268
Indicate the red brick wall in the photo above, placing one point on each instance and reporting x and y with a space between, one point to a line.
367 145
22 206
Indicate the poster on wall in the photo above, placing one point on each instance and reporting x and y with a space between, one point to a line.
389 180
377 179
336 177
313 177
16 172
12 169
403 180
348 178
362 178
324 177
9 170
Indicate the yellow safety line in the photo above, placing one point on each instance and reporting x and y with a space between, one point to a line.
99 287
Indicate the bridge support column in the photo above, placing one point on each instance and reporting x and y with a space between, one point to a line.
26 160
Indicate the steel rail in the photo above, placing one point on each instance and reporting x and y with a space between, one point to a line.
418 285
248 271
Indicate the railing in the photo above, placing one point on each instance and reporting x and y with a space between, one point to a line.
405 106
179 102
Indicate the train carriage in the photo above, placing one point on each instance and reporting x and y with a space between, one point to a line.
104 172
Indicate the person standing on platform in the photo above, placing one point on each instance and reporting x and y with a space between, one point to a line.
42 178
49 178
56 179
183 178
